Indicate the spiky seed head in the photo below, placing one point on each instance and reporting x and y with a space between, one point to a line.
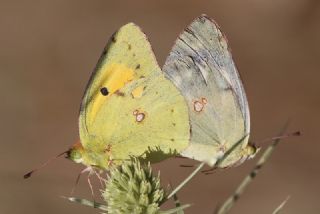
132 188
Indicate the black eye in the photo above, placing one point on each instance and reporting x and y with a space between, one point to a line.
104 91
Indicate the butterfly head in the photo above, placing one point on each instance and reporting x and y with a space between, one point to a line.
99 158
251 150
75 153
247 153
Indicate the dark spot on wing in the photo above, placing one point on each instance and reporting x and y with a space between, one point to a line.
138 66
172 139
174 124
104 91
113 39
129 47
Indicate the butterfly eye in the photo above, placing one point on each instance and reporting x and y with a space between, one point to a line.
104 91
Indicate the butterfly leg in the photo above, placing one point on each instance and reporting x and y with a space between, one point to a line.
209 171
87 169
185 165
206 171
90 185
179 156
101 180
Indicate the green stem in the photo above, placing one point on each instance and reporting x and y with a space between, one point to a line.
228 204
186 180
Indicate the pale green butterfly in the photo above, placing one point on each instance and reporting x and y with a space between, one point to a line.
201 67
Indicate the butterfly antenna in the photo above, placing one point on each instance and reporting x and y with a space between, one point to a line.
28 175
280 137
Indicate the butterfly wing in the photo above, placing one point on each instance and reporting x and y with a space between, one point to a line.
201 67
129 107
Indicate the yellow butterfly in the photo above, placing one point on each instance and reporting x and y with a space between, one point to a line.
129 108
201 67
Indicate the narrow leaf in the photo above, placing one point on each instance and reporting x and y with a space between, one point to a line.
279 208
175 210
87 203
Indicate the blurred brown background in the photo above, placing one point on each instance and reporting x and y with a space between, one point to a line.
49 48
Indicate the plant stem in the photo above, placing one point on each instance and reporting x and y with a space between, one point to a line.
228 204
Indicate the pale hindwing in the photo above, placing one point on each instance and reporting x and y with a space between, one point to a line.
202 68
142 109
